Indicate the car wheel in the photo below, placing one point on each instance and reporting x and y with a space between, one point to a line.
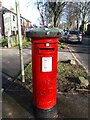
80 42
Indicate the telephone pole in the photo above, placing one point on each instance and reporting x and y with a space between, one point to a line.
20 40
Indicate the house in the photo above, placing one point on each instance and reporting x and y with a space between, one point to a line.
8 22
0 25
1 19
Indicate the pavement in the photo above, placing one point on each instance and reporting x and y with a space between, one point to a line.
64 55
17 100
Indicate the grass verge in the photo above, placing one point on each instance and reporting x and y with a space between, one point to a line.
67 77
62 46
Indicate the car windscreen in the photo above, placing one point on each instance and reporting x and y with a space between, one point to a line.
74 32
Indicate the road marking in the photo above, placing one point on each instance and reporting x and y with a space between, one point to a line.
78 60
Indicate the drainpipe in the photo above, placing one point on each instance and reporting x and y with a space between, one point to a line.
3 28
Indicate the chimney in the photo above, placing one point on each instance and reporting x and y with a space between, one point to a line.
11 9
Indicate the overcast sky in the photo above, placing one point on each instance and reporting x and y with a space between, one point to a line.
28 8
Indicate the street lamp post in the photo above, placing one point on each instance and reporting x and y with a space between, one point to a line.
20 40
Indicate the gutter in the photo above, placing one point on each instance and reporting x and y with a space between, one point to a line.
78 61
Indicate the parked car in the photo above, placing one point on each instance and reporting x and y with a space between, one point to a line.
65 35
74 36
61 38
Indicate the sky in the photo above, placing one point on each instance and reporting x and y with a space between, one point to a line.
28 9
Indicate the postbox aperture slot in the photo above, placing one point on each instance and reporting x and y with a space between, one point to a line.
45 50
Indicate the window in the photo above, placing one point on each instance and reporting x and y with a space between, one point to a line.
13 17
21 21
73 32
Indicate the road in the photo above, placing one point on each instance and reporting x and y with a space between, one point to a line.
11 63
82 52
10 68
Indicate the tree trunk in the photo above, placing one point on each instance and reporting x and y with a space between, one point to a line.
83 23
77 24
55 21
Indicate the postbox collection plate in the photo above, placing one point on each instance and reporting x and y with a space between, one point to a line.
46 64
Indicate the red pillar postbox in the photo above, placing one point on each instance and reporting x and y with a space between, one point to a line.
44 70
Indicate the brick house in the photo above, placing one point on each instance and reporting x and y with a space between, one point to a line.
8 22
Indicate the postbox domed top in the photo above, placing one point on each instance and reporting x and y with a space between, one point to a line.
42 32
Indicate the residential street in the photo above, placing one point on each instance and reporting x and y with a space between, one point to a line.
82 52
17 100
44 54
11 62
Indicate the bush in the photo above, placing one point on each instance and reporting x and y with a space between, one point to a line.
62 46
13 41
4 42
25 42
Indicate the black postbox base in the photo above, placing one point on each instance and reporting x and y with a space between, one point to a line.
49 113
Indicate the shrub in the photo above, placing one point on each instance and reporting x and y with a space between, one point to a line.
25 42
4 42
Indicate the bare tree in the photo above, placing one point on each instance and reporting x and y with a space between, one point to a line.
78 12
55 10
52 10
70 15
84 8
73 15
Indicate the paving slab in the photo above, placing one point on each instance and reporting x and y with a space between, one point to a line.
18 104
64 55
